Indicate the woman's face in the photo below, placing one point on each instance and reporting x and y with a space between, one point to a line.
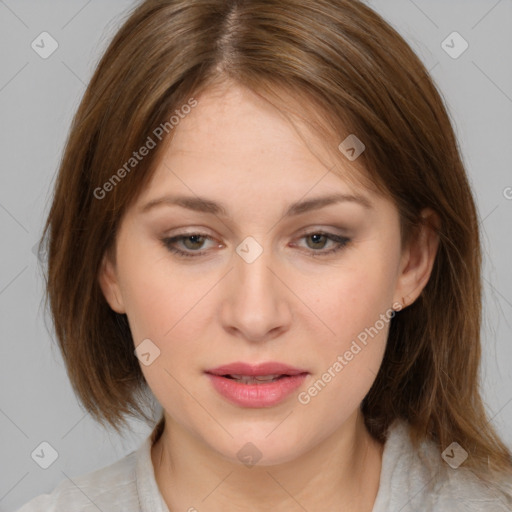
311 289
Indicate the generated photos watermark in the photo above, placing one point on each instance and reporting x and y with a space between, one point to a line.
344 359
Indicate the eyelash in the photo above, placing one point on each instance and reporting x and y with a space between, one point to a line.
341 242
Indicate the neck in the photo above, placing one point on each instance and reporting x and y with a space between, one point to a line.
343 469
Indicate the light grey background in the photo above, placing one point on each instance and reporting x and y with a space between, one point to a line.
37 100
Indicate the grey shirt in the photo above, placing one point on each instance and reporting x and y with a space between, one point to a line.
411 481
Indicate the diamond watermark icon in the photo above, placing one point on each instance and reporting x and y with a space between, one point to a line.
454 455
44 45
352 147
147 352
249 250
44 455
454 45
249 454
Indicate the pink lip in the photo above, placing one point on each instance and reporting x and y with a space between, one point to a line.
256 395
270 368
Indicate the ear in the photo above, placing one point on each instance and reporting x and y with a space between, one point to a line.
109 284
418 259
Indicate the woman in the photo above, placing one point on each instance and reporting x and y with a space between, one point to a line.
262 219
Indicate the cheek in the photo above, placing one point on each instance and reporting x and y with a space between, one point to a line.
168 308
356 305
354 297
147 309
359 312
154 296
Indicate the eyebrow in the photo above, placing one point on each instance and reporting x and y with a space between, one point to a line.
204 205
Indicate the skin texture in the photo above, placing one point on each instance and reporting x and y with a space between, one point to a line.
291 304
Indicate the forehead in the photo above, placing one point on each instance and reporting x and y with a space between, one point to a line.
230 121
236 138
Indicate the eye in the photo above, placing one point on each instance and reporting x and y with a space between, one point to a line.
320 238
193 242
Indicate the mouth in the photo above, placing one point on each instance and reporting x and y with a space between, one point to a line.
262 385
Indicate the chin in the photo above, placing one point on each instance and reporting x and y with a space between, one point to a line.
258 448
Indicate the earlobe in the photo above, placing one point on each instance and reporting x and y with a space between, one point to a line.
109 285
418 259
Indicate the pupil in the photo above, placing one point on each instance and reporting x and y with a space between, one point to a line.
194 239
315 237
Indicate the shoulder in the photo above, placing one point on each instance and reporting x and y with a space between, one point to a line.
113 487
415 480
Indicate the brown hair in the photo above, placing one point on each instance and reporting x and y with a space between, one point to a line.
358 76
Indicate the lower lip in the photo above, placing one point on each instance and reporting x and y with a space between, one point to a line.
256 395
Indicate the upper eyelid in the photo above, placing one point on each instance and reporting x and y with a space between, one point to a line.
332 230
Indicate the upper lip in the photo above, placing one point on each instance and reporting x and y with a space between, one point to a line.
252 370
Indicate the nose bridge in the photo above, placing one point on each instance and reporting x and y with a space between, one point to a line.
256 304
252 265
252 272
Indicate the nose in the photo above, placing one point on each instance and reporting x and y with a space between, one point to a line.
256 303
